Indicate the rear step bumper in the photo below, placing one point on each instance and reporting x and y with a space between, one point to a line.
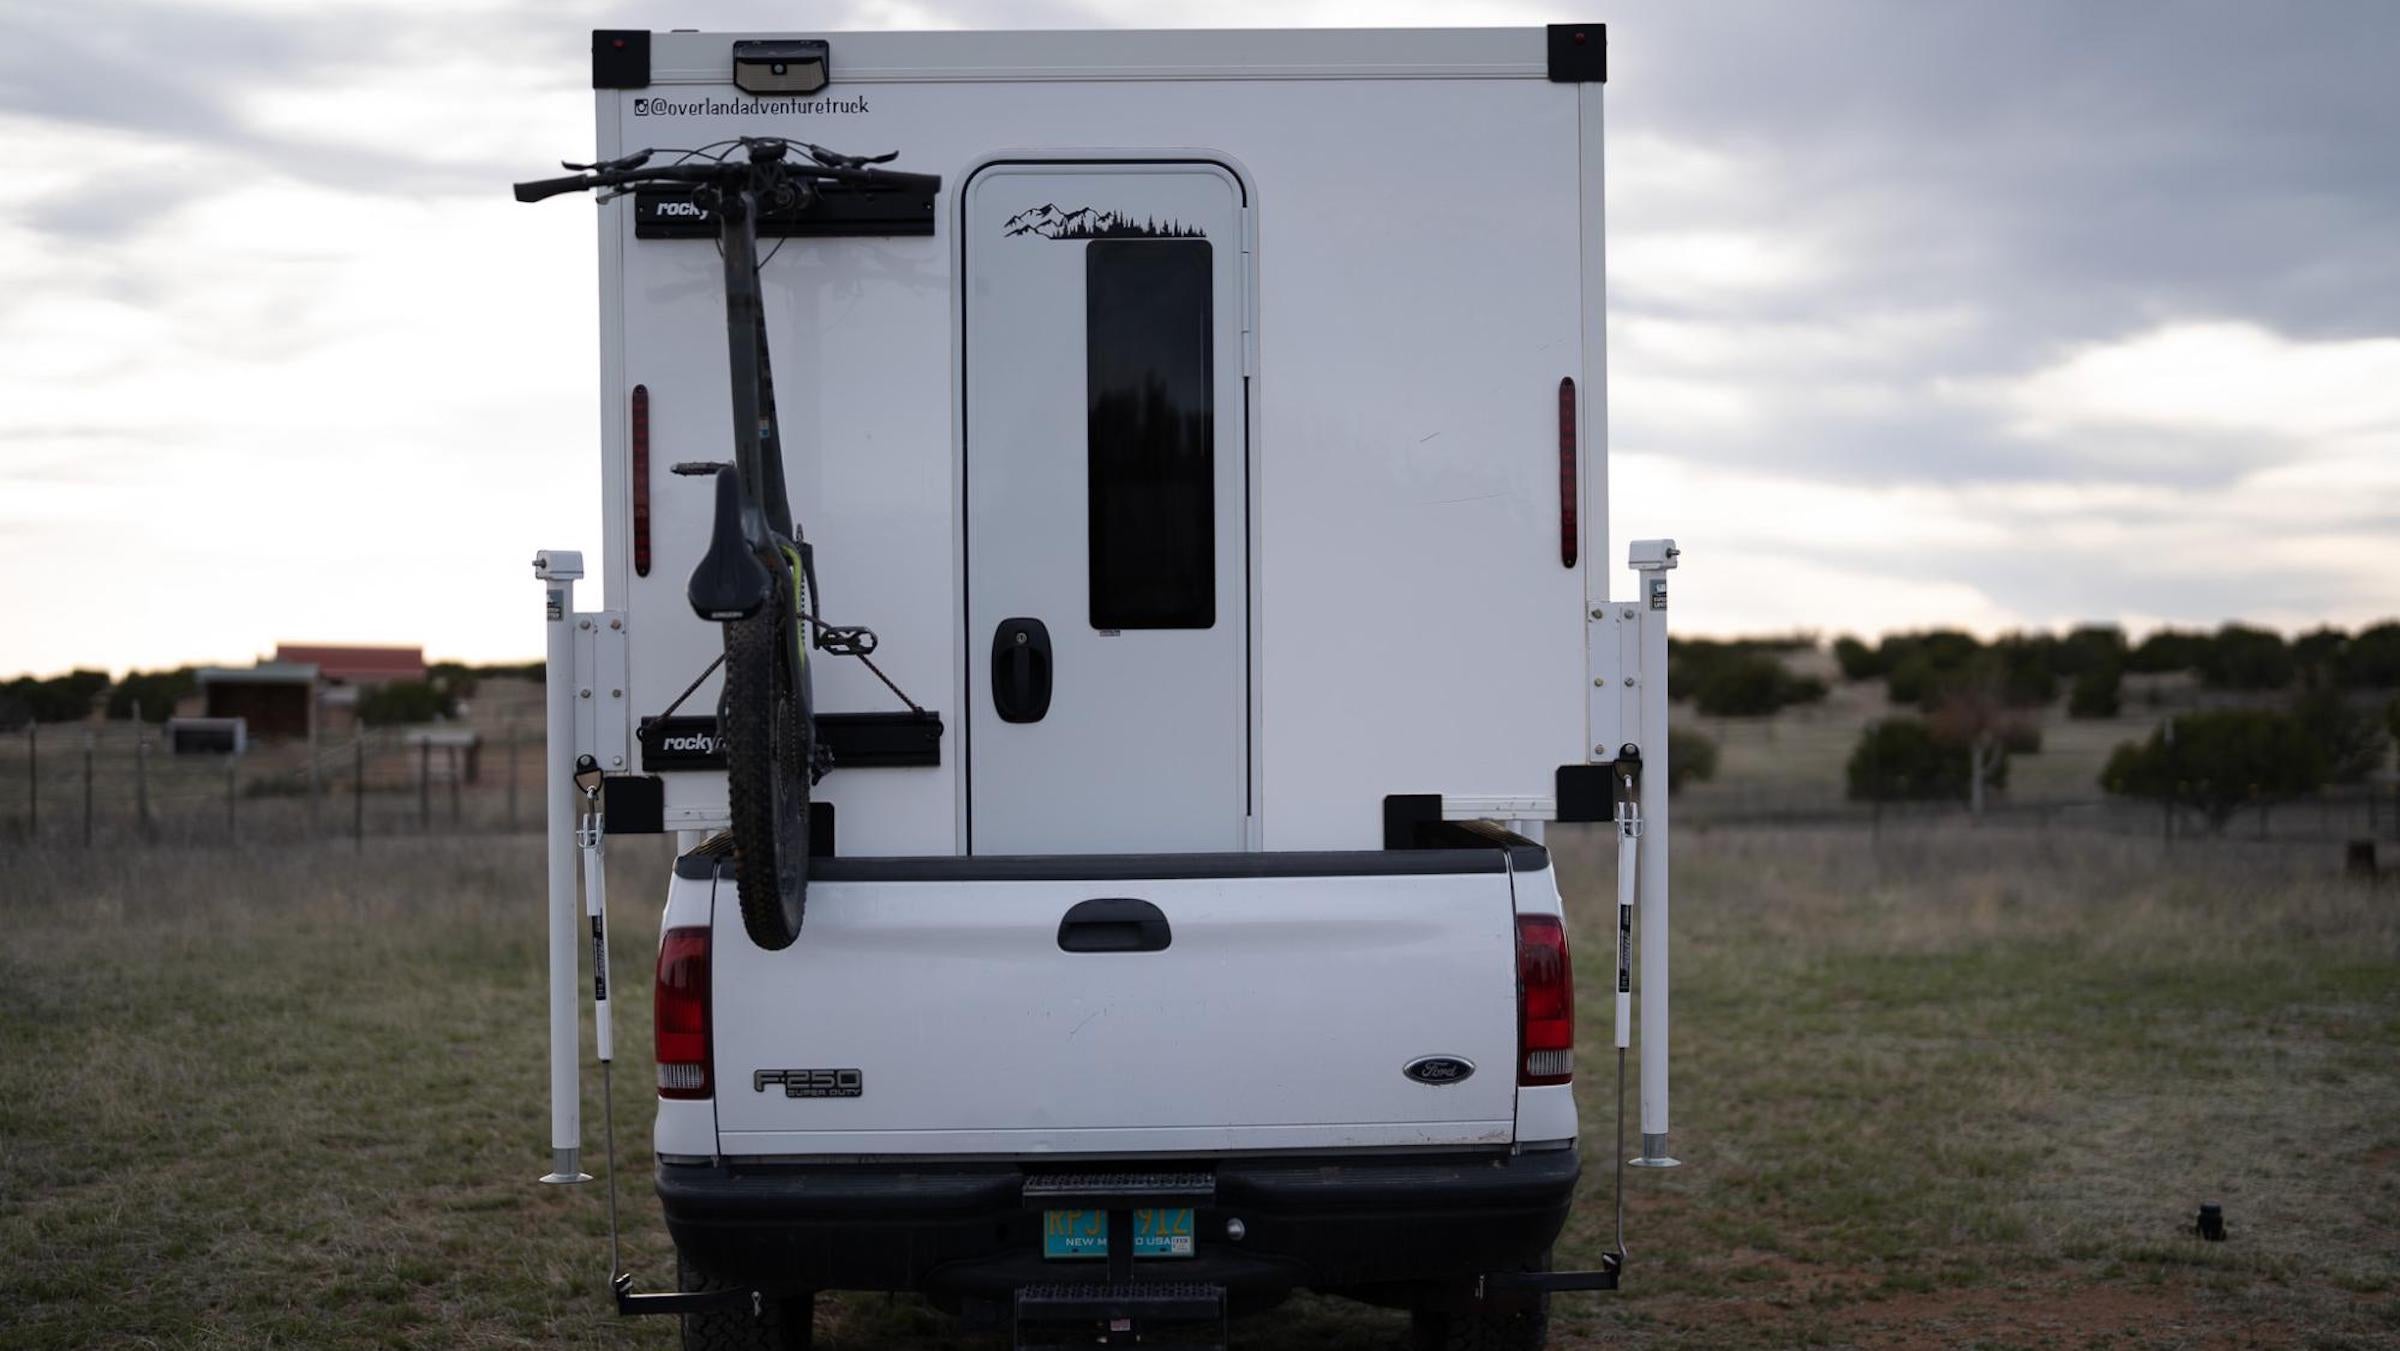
974 1230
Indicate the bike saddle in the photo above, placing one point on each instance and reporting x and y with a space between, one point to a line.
730 583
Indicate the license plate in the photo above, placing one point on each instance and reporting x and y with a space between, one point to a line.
1084 1233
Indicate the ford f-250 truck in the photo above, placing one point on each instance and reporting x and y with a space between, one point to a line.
1219 455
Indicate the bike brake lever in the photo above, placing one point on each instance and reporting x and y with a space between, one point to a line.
632 161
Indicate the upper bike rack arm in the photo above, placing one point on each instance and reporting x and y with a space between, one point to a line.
731 173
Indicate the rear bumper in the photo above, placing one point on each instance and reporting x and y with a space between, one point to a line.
960 1230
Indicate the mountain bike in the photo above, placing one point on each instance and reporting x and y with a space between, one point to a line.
757 578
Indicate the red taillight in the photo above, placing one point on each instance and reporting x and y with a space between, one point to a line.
1567 531
1545 1002
681 1013
640 435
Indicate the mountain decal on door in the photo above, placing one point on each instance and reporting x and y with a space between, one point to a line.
1086 222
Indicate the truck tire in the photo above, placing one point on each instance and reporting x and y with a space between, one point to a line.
782 1323
1437 1330
1523 1329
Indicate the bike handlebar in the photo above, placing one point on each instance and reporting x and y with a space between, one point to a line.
733 174
551 187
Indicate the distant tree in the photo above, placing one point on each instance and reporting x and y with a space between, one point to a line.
65 698
1747 684
1857 660
2352 739
2088 648
1975 708
1916 664
154 692
2219 762
2317 657
2027 677
2245 658
403 702
1691 758
2168 650
1901 760
2097 693
2372 661
455 677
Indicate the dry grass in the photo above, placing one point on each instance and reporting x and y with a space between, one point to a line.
1965 1087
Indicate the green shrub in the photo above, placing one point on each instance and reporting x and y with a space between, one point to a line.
2088 648
2218 762
403 702
154 691
66 698
1900 760
2372 660
1751 685
2027 679
2244 658
1917 665
2098 693
2351 739
1858 661
2168 650
2317 657
1691 758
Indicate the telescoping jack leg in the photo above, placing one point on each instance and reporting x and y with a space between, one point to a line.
558 570
1652 560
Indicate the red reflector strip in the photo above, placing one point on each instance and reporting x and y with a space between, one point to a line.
1567 530
1545 1002
679 1012
641 480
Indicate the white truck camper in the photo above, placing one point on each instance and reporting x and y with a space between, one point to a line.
1218 456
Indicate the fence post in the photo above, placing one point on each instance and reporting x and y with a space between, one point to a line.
87 788
33 781
232 768
424 785
315 771
450 754
513 731
358 791
141 771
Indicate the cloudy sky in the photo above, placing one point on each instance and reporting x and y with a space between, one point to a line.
1984 315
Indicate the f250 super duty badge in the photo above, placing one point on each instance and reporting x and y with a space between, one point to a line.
811 1083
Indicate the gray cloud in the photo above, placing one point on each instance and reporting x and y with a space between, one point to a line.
2040 177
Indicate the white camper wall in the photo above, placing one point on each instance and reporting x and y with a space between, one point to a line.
1421 203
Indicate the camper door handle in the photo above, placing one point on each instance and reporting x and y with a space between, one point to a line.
1021 670
1114 924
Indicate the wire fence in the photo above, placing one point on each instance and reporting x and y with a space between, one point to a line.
108 785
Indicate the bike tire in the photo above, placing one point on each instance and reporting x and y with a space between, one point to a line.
767 732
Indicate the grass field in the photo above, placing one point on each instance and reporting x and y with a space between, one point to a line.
1963 1087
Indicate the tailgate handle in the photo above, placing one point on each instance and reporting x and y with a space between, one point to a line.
1021 670
1114 924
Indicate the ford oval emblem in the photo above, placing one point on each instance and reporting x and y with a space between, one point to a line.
1438 1069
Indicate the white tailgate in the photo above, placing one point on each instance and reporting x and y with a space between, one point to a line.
1280 1016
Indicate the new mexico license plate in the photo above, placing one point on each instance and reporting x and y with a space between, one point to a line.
1084 1233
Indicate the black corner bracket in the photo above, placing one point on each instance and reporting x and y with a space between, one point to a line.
1586 793
621 58
636 804
1579 53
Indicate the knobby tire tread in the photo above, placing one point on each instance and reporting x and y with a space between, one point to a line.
785 1323
766 774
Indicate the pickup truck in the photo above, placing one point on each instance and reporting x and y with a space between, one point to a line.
1342 1071
1212 432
